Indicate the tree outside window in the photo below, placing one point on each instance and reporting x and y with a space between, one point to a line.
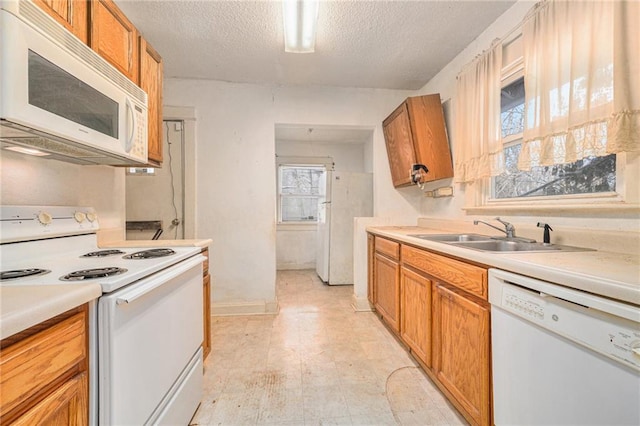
589 175
299 189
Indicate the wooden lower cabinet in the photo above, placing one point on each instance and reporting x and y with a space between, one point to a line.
44 377
206 293
461 356
415 313
387 290
438 307
67 405
206 309
371 295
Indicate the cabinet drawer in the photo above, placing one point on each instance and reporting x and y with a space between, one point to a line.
463 275
387 247
31 365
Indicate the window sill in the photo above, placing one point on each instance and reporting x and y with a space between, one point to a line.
297 226
619 209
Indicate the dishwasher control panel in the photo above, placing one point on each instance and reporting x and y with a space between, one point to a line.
580 317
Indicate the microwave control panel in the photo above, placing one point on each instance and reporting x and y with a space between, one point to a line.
139 142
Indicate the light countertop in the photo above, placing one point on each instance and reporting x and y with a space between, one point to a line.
157 243
24 306
614 275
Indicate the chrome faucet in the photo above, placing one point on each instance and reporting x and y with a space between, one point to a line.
508 228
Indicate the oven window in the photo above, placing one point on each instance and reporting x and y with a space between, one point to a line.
55 90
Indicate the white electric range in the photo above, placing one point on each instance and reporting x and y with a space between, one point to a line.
145 331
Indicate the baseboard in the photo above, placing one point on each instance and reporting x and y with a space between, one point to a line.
360 304
249 308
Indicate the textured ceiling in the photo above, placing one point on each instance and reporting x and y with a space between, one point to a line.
376 44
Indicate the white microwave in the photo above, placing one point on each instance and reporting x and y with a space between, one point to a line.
62 100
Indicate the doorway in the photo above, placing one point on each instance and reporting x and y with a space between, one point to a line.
155 195
345 151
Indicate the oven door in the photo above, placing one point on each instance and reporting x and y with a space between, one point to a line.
148 335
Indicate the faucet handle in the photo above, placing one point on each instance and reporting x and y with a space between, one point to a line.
505 223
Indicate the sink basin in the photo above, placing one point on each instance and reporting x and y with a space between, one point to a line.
446 238
487 243
511 246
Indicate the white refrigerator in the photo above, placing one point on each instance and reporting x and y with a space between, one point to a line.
348 195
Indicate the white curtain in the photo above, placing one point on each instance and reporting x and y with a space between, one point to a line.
582 89
478 148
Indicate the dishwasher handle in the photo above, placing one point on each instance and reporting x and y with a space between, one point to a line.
155 282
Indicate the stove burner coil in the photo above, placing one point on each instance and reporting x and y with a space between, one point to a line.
88 274
150 254
103 253
21 273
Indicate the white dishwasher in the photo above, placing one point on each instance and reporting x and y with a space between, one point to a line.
562 356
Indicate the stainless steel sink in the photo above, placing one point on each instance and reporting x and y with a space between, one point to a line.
487 243
520 246
451 238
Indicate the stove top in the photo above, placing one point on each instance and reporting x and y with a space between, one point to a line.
103 253
53 245
89 274
151 253
22 273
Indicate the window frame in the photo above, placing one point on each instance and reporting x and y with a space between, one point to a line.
313 162
479 196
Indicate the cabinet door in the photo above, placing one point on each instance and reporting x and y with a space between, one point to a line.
387 289
461 351
415 313
151 82
67 405
430 136
399 141
114 37
371 295
71 14
206 299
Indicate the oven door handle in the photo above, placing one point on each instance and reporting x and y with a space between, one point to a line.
137 292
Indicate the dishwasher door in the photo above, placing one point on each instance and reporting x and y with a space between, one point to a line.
556 362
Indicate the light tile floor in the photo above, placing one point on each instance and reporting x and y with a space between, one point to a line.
317 362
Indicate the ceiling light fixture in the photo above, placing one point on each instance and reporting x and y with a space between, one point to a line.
300 19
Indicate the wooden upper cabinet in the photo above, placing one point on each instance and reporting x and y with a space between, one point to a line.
71 14
114 37
415 133
151 73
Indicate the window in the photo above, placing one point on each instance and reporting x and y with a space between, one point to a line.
299 189
590 175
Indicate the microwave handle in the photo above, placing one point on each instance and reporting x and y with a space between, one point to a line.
132 123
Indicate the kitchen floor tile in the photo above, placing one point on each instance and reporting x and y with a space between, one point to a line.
317 362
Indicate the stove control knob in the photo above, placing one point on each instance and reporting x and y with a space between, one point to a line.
92 217
44 218
79 217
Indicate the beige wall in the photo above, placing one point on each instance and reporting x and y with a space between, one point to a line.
237 178
27 180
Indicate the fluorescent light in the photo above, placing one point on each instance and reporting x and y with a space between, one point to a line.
29 151
300 19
